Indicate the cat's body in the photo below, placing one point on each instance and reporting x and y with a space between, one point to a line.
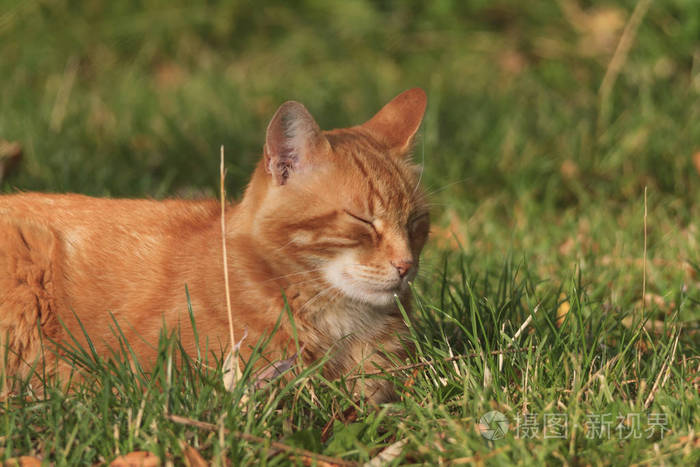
333 222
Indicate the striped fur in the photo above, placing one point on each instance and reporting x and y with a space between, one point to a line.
332 222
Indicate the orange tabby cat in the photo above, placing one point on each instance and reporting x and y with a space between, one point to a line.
332 220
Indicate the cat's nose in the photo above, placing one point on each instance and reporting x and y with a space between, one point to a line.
402 266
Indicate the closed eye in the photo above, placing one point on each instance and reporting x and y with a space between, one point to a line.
361 219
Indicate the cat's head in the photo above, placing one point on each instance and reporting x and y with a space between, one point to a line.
345 203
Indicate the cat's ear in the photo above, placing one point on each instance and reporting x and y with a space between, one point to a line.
396 123
293 142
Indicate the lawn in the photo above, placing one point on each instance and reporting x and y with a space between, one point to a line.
557 311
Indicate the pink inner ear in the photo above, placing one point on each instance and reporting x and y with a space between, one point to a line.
398 121
291 137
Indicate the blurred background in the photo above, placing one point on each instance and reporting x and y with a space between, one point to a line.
536 140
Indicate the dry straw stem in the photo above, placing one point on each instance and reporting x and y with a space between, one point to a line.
594 376
517 334
620 58
644 258
303 454
665 369
234 353
399 369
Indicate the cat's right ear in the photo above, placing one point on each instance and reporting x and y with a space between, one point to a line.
292 142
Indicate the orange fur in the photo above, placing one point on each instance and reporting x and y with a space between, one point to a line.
334 221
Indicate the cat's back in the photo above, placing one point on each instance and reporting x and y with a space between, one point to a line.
65 211
96 253
101 235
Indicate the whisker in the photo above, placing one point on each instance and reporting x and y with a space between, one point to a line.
283 246
315 279
444 187
422 166
315 297
294 274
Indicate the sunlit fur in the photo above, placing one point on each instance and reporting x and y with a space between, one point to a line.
321 230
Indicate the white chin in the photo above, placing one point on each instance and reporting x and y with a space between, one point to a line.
381 298
371 297
355 290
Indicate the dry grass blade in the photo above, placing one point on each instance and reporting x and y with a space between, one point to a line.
517 334
620 58
233 357
303 454
432 362
665 369
644 258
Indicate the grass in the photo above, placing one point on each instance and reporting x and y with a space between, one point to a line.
538 188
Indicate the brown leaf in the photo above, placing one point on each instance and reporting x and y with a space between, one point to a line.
136 459
10 155
23 461
388 455
192 457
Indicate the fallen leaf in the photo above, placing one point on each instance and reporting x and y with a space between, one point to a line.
136 459
387 455
23 461
192 457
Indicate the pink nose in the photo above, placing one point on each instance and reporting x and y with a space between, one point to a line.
402 266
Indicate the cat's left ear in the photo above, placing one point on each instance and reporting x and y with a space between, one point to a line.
396 124
293 142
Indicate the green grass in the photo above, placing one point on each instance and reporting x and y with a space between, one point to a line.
539 205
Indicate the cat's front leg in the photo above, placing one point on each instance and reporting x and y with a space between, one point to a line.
378 367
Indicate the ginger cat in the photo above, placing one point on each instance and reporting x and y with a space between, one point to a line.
334 220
